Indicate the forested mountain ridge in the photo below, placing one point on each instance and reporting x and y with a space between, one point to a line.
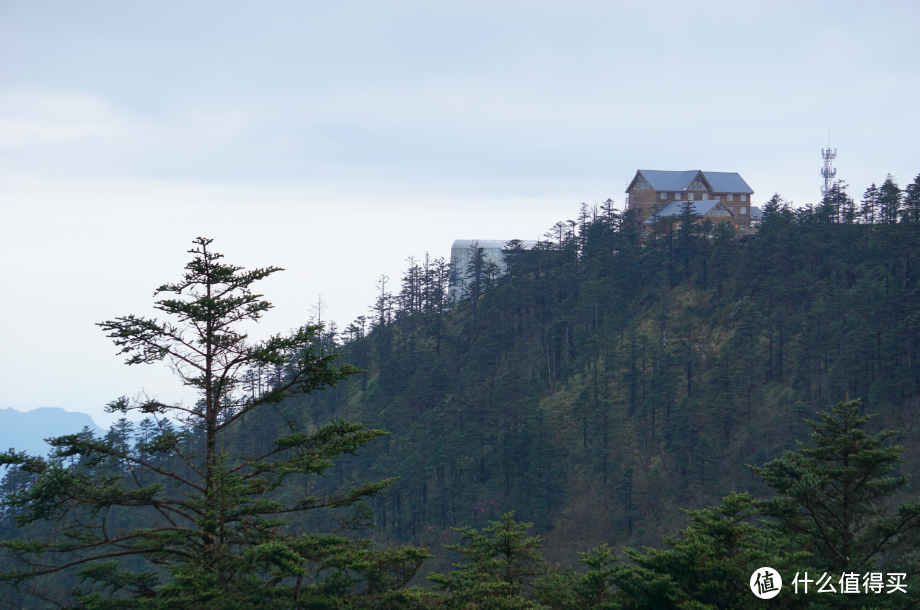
608 382
611 378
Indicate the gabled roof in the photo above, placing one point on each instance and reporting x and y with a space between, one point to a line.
756 214
720 182
668 181
727 182
699 207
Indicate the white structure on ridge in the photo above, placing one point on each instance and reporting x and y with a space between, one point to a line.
461 252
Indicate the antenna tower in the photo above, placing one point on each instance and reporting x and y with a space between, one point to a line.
828 172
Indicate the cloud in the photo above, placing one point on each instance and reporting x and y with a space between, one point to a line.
30 118
71 134
480 95
363 132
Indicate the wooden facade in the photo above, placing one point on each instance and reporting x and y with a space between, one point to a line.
650 191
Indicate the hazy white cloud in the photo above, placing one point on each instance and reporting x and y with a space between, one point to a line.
31 118
336 139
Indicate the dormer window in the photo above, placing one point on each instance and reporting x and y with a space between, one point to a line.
698 185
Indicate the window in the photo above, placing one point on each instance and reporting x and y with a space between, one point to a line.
676 195
731 197
743 210
705 196
743 197
689 196
664 195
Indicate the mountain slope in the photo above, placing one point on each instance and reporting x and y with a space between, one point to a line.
611 379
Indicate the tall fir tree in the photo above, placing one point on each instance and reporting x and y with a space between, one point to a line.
889 201
184 520
831 496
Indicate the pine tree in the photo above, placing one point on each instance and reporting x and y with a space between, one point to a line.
687 232
911 209
708 564
868 210
568 589
498 568
831 495
724 251
186 521
889 201
475 275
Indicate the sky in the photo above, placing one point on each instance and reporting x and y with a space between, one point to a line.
337 139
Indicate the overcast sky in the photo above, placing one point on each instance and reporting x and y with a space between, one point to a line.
335 139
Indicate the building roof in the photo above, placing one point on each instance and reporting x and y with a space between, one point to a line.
756 214
668 181
727 182
720 182
488 244
699 207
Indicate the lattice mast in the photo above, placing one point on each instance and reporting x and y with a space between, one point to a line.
828 172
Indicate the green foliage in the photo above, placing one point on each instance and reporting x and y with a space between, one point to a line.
827 516
708 564
833 498
568 589
613 376
191 518
498 568
831 492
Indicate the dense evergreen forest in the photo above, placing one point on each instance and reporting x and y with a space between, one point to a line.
612 378
610 381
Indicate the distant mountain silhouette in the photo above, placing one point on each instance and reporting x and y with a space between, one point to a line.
26 430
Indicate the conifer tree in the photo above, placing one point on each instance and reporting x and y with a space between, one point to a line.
889 201
568 589
185 521
475 274
513 252
868 210
499 567
911 210
708 564
831 495
687 232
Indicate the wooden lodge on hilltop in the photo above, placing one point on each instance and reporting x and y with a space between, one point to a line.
718 196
